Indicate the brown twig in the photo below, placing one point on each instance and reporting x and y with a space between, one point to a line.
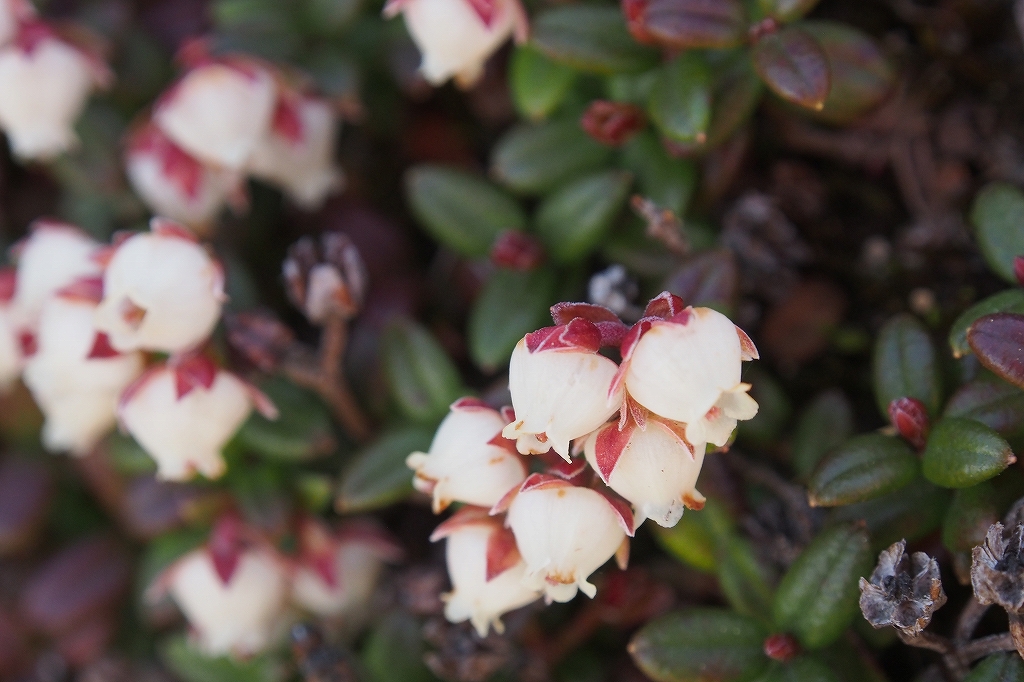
968 621
951 659
984 646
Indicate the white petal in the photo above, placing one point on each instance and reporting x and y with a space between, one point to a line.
53 256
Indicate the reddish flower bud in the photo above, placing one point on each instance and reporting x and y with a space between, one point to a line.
781 647
1018 268
910 418
325 277
517 250
612 123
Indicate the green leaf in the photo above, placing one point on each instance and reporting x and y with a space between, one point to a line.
803 669
573 221
696 539
911 513
1002 667
301 432
786 10
774 408
511 305
863 468
817 597
191 665
460 210
538 84
962 452
743 580
377 476
824 424
591 39
994 403
423 379
535 159
972 512
394 650
680 103
904 365
997 215
794 66
669 182
700 645
1009 301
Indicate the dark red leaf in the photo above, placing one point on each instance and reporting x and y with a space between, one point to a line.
579 334
665 306
685 24
794 66
998 341
517 251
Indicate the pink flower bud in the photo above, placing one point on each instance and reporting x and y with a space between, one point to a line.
239 616
565 533
296 151
684 365
612 123
173 183
467 461
456 37
46 81
486 570
910 417
162 291
183 416
74 376
219 111
560 387
325 277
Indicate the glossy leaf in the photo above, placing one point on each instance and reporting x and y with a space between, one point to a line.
997 215
301 432
538 84
510 305
998 341
699 645
994 403
192 665
394 650
696 539
743 579
534 159
786 10
973 510
680 103
460 210
572 221
904 365
824 424
709 279
688 24
803 669
423 379
1009 301
377 476
962 453
817 598
794 66
1001 667
861 469
593 39
909 513
667 181
774 408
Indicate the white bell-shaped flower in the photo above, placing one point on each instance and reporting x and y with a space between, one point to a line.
183 416
651 465
74 375
485 568
161 291
12 353
464 464
46 81
173 183
560 387
239 616
296 152
565 533
53 256
687 368
219 111
456 37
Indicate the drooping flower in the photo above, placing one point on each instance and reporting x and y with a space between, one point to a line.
683 364
45 80
325 277
648 461
904 590
467 462
456 37
75 376
486 570
564 533
560 387
161 291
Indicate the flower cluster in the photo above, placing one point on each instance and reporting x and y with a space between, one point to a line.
525 535
82 321
46 74
237 590
226 118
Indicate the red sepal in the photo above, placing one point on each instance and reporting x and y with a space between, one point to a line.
579 335
162 227
748 351
508 414
8 284
502 552
469 404
556 466
910 417
287 121
487 10
226 545
31 33
177 165
613 330
101 348
318 550
27 342
1018 268
192 371
532 482
621 508
517 251
87 289
612 123
611 442
677 429
665 306
466 516
626 349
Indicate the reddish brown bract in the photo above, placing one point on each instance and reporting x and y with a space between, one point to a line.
612 123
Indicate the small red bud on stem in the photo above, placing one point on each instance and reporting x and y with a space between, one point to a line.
781 647
612 123
910 418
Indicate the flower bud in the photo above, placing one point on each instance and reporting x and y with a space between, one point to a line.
612 123
184 414
296 151
219 111
910 417
325 277
239 615
456 37
684 365
161 291
904 590
652 465
565 533
52 256
486 570
11 353
173 183
75 376
467 461
517 251
781 647
560 387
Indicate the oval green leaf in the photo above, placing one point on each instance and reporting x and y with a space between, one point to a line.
962 452
904 365
1002 667
423 379
377 476
573 221
538 84
534 159
794 66
680 103
302 431
803 669
973 510
824 424
910 513
667 181
589 38
997 215
511 305
861 469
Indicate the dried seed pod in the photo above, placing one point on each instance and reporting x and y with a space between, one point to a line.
325 277
997 569
904 590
